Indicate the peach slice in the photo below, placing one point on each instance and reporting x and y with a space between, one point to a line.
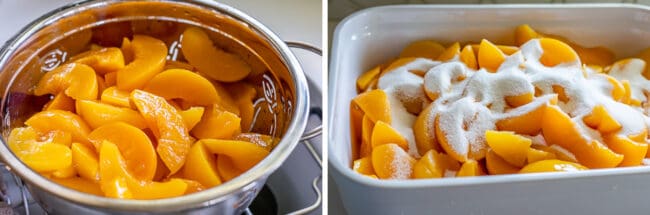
244 155
188 86
600 56
509 146
601 120
434 165
558 129
60 102
80 184
134 145
519 100
552 166
167 125
363 166
470 168
149 56
375 104
192 186
507 50
391 162
424 131
244 95
356 120
468 57
527 122
383 133
113 96
367 127
116 181
452 51
633 152
127 50
265 141
66 172
524 33
534 155
201 166
85 161
461 131
217 124
556 52
103 60
51 120
395 64
110 79
75 80
178 65
227 169
363 82
217 64
490 56
41 156
496 165
97 114
424 49
192 116
56 136
227 101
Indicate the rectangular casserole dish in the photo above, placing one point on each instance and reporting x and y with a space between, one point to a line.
372 36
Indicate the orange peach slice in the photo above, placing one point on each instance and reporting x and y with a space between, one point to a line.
40 156
424 131
601 120
383 133
127 50
375 104
110 79
227 101
51 120
134 145
556 52
552 166
462 133
85 161
395 64
227 169
56 136
148 60
490 56
449 53
367 127
524 33
75 80
97 114
363 82
519 100
60 102
507 50
217 124
80 184
363 166
192 116
468 57
391 162
633 152
244 95
117 97
265 141
244 155
534 155
527 122
217 64
470 168
167 125
66 172
424 49
434 165
559 129
188 86
600 56
496 165
201 166
104 60
356 120
509 146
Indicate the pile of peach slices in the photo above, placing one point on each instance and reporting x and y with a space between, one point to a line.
124 122
545 105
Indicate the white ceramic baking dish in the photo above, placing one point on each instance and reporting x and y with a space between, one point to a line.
372 36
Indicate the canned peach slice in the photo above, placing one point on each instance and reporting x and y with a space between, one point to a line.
75 80
367 126
110 79
496 165
51 120
244 155
265 141
424 131
167 125
60 102
383 133
519 100
363 166
470 168
511 147
534 155
217 124
104 60
66 172
217 64
552 166
528 120
148 60
524 33
85 160
114 96
375 104
363 82
507 50
192 116
79 184
490 56
192 186
97 114
134 145
227 102
468 57
188 86
201 166
391 162
633 152
434 165
556 52
227 169
425 49
450 52
243 95
41 156
601 120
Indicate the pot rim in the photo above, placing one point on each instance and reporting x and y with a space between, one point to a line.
199 199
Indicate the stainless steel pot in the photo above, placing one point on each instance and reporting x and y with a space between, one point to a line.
48 41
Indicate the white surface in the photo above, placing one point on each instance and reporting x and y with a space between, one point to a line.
363 41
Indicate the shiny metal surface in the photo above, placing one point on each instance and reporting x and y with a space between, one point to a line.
229 198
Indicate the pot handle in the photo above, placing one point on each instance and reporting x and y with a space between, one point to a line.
318 130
